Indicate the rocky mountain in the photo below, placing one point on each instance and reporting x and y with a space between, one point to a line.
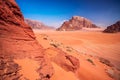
20 52
113 28
37 25
17 40
76 23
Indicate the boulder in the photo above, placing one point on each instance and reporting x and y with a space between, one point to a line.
64 60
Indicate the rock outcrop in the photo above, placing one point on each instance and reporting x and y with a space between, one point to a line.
113 28
64 60
76 23
9 70
37 25
17 40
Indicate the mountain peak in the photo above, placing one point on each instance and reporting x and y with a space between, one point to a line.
77 23
77 17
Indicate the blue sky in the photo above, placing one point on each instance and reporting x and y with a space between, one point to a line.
54 12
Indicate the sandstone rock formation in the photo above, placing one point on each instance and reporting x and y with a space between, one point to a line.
37 25
67 62
113 28
76 23
9 70
17 40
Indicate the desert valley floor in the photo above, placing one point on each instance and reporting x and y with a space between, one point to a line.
105 45
90 45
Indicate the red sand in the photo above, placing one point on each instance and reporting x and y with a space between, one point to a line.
91 43
95 43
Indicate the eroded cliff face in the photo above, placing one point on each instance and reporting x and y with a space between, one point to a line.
17 41
113 28
76 23
13 31
20 52
11 17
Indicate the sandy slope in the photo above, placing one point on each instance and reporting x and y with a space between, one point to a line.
61 74
28 68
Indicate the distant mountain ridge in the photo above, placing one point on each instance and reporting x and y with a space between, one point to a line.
113 28
37 24
77 23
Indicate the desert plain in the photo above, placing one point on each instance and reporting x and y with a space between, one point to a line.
92 44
